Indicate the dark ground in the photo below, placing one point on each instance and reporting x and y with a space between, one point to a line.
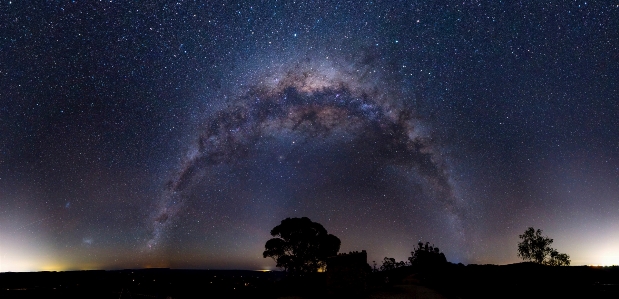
523 280
448 281
145 283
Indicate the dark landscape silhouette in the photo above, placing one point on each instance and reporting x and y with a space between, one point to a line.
313 268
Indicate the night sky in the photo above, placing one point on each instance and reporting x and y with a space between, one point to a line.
178 134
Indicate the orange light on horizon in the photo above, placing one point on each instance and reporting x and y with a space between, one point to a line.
54 268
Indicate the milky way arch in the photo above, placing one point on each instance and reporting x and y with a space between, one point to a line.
317 105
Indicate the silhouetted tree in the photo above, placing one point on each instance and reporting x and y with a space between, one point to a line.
301 245
536 248
389 263
558 259
425 255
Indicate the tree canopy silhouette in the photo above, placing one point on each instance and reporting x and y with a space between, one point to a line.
390 264
301 245
536 248
427 256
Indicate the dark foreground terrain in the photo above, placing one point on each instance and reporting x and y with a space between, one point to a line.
145 283
523 280
447 281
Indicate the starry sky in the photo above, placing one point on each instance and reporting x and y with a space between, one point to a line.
178 134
